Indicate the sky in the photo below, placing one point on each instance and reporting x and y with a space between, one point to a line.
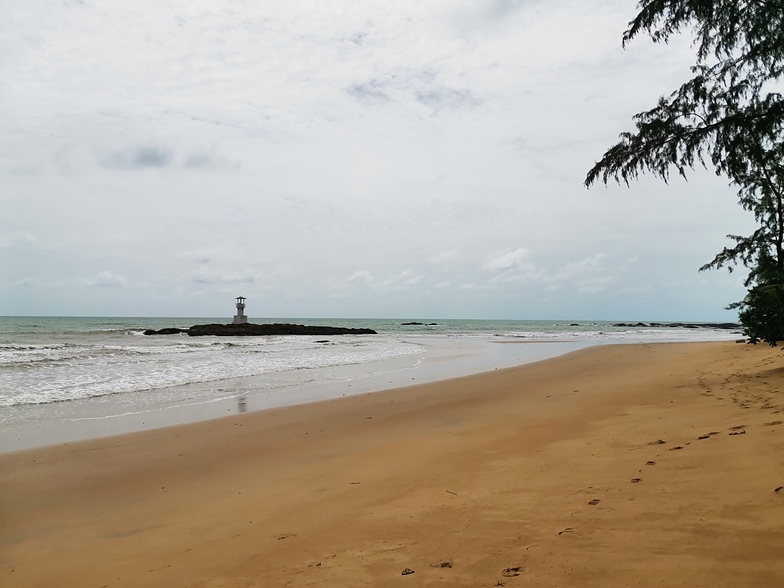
401 159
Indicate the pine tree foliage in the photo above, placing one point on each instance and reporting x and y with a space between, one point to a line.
729 104
730 115
762 193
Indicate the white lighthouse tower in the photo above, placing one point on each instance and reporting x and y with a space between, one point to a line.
240 318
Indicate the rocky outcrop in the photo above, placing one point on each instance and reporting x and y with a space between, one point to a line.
249 329
166 331
683 325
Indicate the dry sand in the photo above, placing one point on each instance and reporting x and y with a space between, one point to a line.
633 465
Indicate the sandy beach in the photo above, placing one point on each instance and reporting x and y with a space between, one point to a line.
627 465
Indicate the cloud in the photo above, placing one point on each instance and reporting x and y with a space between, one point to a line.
368 92
446 257
205 275
210 160
107 279
593 285
447 98
404 278
199 257
360 276
513 265
587 265
138 158
517 259
635 290
18 239
141 158
420 84
479 13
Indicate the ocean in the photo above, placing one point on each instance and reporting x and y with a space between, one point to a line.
75 377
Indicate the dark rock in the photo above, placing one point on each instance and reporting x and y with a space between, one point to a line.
166 331
413 323
250 329
726 326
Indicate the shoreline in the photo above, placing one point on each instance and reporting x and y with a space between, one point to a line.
648 464
105 416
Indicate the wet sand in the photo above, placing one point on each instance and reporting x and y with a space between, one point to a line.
629 465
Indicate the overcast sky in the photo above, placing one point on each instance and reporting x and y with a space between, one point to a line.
343 159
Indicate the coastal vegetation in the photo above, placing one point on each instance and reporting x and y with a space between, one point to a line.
728 116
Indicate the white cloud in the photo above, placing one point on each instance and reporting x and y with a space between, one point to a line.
107 279
206 275
574 269
360 276
517 259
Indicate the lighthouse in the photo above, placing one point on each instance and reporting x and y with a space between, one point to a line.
240 318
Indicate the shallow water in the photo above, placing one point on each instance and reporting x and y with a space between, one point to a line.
70 378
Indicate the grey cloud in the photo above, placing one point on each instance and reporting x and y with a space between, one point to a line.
139 158
447 98
502 8
420 84
358 37
158 158
368 92
209 160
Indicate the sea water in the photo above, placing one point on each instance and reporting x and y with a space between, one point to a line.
75 377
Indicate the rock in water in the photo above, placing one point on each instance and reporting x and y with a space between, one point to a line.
250 329
166 331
